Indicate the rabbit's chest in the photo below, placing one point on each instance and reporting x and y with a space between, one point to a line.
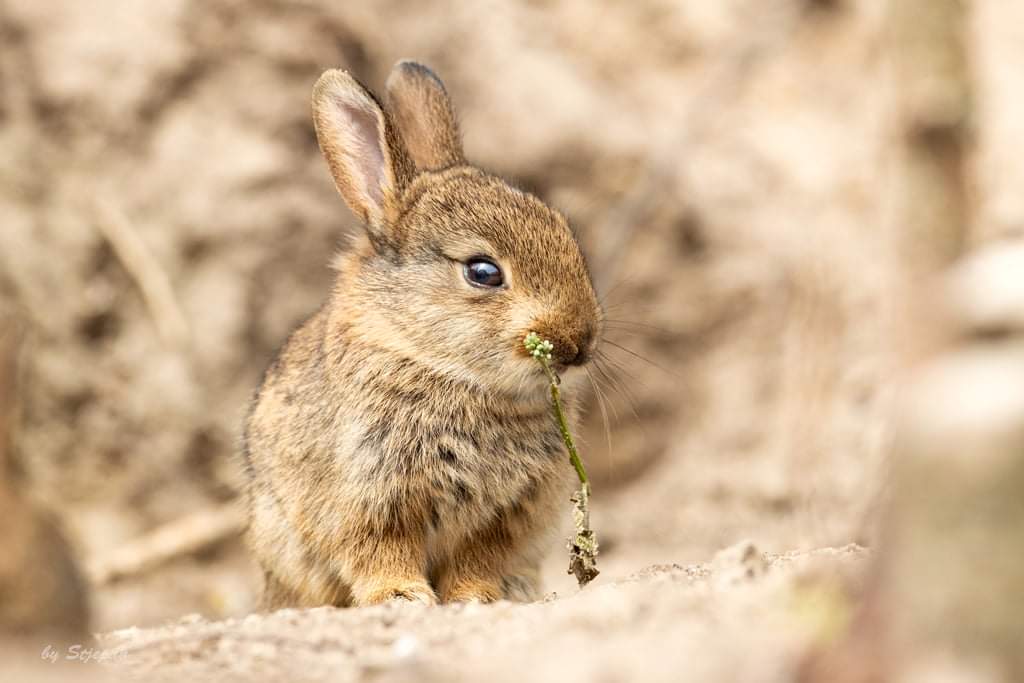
470 484
475 469
459 472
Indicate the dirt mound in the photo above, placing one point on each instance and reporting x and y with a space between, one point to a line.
653 626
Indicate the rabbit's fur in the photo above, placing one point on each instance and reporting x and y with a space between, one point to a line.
402 444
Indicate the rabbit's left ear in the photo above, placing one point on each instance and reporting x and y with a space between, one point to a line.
423 113
368 161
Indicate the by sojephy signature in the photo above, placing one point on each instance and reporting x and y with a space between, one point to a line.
82 653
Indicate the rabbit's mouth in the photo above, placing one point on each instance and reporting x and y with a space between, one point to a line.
570 348
573 358
581 358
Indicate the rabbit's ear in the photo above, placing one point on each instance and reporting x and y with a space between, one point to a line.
365 153
421 108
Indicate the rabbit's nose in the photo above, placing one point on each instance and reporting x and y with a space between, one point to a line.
567 352
572 340
564 350
581 357
574 349
584 344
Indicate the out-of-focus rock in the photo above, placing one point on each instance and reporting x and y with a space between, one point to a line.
986 292
954 573
944 598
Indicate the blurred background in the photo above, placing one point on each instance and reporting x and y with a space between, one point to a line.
166 218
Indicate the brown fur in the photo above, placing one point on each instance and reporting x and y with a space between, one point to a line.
401 444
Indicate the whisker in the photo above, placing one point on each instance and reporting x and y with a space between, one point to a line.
615 413
644 359
617 375
633 302
633 323
632 401
604 297
627 308
617 332
623 389
604 417
620 368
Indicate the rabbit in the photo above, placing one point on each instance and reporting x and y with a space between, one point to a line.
401 446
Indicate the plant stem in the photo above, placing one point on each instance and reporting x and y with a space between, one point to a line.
563 427
583 547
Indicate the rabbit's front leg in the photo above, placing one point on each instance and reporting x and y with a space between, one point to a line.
474 572
479 569
388 567
501 559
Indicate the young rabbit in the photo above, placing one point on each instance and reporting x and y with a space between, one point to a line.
402 444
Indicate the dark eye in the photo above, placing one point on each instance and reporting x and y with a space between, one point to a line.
483 272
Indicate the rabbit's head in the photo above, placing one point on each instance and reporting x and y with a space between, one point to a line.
455 266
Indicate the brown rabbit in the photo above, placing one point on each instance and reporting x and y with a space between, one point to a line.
401 444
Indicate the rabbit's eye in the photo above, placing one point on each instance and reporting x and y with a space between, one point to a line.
483 272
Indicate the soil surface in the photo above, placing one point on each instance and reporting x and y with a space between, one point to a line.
664 623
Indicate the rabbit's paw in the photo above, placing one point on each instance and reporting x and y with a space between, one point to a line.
407 591
471 590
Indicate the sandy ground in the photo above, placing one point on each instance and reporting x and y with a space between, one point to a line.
663 623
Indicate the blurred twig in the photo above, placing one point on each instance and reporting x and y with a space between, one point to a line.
940 600
8 398
935 102
41 588
145 270
179 538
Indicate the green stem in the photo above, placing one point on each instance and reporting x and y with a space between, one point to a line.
563 427
582 545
